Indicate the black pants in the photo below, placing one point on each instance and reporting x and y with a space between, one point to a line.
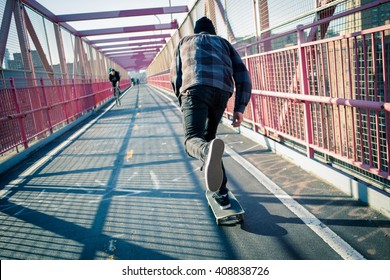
202 108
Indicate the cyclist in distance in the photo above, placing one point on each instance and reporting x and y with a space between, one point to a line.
114 78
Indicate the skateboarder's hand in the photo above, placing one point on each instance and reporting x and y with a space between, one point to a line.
238 117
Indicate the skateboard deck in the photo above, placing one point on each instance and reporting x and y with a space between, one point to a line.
234 214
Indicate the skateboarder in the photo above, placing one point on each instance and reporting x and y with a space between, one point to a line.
204 71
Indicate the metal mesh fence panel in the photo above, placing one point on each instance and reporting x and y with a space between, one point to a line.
320 74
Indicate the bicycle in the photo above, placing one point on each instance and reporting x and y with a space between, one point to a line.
117 94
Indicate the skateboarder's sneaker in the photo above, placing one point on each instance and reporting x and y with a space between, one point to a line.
222 200
213 165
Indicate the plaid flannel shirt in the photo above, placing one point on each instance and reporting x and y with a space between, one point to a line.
204 59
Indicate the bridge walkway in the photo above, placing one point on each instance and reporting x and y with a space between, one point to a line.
121 186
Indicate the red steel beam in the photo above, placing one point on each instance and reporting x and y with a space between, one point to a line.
141 48
123 13
42 10
129 57
117 30
132 62
131 44
136 61
132 51
124 39
61 20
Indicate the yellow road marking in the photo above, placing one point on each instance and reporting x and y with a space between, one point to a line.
129 154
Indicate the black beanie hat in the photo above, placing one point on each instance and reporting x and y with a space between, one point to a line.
204 25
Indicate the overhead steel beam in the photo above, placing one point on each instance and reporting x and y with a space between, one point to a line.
132 51
126 60
129 29
144 43
124 39
137 66
130 60
42 10
129 51
123 13
143 52
62 21
149 55
133 62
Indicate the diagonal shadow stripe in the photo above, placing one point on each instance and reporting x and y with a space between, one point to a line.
89 238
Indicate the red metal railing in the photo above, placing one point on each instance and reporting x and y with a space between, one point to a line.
161 80
29 113
331 96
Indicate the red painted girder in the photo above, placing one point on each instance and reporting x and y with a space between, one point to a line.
133 49
44 11
116 30
130 51
123 13
124 39
144 43
130 56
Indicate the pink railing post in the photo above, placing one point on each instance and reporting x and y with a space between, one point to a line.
84 95
252 120
19 114
46 107
75 99
386 99
64 101
305 91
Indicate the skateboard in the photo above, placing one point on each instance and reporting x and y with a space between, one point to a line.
234 214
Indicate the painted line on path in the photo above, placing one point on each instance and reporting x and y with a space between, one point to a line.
324 232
